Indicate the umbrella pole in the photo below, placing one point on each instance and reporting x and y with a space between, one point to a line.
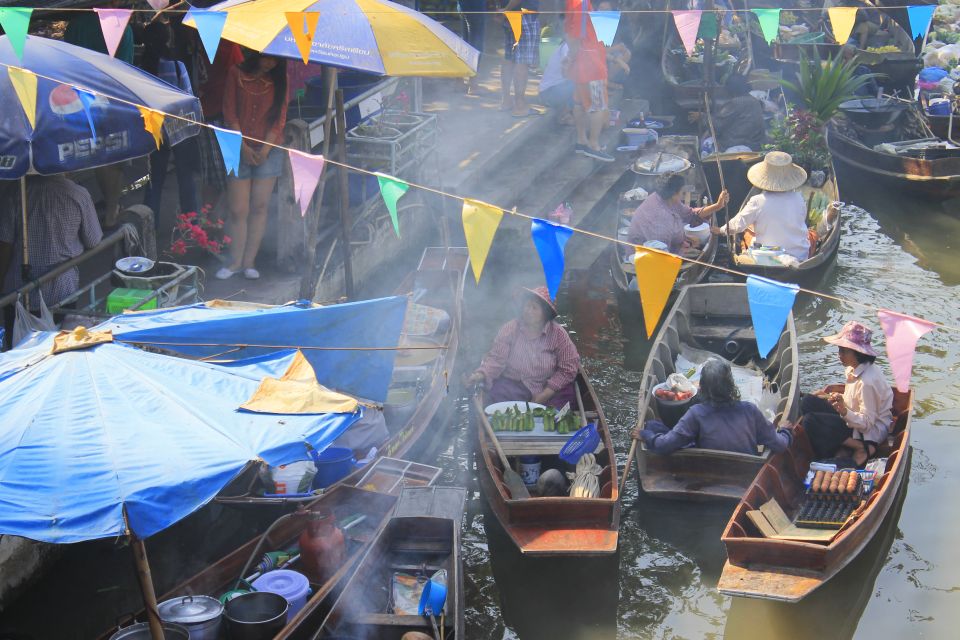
146 588
345 222
25 267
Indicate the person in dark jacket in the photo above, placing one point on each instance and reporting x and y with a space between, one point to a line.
720 421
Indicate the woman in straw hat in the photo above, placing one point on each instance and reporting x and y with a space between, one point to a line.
779 214
855 422
532 358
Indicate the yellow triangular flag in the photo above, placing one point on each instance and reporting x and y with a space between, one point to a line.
842 20
303 25
153 123
25 84
480 222
656 273
515 18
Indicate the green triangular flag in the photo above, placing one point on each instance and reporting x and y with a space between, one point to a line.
392 189
708 25
15 22
769 23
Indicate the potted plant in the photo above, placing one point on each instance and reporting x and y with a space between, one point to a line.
198 232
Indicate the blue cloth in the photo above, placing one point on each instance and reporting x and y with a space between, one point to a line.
739 427
63 141
364 324
101 439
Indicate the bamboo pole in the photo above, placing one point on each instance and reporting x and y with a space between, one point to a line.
146 587
345 221
25 266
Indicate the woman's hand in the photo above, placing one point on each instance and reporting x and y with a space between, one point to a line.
474 378
248 155
544 396
262 153
838 403
717 231
723 199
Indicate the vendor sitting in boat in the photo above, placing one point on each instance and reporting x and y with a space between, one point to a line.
851 424
739 121
720 421
532 358
778 215
663 214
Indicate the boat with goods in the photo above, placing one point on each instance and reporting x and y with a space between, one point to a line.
709 320
783 553
583 524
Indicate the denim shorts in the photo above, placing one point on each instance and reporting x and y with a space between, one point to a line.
272 167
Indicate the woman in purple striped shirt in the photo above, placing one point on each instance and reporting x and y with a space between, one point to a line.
532 358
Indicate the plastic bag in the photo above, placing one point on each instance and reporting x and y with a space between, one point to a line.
26 323
679 382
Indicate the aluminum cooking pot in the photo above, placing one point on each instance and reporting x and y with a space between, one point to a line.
141 631
258 615
201 615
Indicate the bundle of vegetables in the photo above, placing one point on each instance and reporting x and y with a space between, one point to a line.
586 478
817 204
889 48
513 419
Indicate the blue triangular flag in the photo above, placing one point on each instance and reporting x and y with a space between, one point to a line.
87 99
550 239
605 23
229 142
920 17
770 304
210 27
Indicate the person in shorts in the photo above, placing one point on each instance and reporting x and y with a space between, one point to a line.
588 71
556 90
519 56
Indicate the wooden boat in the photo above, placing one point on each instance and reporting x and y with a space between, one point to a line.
789 570
345 502
825 251
684 75
931 174
714 318
421 539
696 189
554 526
437 282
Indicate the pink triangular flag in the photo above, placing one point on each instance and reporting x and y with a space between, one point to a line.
902 333
688 23
307 170
159 4
113 22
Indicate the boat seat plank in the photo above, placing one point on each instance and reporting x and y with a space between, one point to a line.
723 331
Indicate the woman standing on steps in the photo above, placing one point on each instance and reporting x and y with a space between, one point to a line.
254 103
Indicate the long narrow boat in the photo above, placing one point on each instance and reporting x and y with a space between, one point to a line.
552 526
789 570
420 540
825 250
669 149
713 318
421 376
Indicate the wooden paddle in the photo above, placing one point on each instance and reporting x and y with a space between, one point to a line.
583 414
518 490
626 469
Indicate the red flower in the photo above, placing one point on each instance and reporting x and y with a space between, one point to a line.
227 239
190 215
179 247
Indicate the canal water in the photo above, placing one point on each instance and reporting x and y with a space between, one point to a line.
663 582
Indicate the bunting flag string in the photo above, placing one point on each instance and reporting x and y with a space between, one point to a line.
153 123
113 22
480 223
770 304
391 190
920 17
842 20
550 239
303 26
210 27
688 24
902 332
769 23
229 142
15 22
605 24
656 272
515 20
25 85
306 170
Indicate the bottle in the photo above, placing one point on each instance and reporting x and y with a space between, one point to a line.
322 548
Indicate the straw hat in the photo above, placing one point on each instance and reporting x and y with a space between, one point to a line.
542 294
776 173
853 336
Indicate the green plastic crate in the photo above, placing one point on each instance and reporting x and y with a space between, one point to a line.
121 299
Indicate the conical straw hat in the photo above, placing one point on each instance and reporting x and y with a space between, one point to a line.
776 173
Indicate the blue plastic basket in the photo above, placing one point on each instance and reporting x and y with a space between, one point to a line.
583 441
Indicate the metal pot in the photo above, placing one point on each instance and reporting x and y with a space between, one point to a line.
201 615
871 113
259 615
141 631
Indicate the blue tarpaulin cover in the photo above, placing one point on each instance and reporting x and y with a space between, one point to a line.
362 374
89 434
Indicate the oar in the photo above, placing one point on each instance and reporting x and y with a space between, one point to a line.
626 470
510 477
583 414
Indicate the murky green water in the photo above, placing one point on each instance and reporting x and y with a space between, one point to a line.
663 584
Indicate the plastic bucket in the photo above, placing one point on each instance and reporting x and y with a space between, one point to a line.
530 469
295 477
333 463
939 107
293 586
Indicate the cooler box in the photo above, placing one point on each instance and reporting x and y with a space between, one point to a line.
120 300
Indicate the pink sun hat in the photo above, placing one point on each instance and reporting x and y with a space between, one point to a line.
542 294
854 335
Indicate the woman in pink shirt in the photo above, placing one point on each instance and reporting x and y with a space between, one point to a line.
532 358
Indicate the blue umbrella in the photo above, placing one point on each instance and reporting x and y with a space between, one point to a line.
63 140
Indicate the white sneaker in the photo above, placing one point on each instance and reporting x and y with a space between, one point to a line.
223 273
251 274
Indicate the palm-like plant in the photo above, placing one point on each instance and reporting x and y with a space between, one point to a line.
823 85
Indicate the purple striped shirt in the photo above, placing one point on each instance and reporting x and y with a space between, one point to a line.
548 359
